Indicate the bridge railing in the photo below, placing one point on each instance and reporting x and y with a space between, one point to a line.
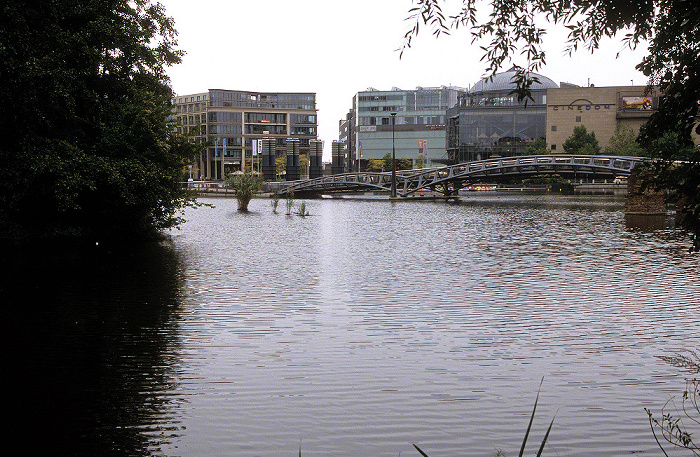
409 181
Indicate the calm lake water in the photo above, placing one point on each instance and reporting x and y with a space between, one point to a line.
356 331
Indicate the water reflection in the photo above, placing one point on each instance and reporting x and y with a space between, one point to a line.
372 324
358 330
648 222
92 338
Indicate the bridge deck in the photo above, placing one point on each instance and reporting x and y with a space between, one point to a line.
447 180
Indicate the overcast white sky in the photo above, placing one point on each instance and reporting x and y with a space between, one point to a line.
338 48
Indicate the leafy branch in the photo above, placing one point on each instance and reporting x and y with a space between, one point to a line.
673 428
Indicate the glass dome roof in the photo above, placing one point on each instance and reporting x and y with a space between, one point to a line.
504 81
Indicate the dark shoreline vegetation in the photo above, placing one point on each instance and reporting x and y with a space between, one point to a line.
88 152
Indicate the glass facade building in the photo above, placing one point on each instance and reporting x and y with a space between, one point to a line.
419 129
232 119
489 122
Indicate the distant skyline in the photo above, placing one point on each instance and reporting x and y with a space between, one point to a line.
337 49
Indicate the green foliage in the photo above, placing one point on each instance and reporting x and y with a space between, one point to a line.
375 165
404 163
289 202
678 168
302 211
537 147
87 150
673 426
303 163
281 165
624 143
582 142
544 179
387 161
244 185
673 64
384 164
421 161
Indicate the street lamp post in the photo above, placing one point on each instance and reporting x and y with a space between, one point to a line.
393 156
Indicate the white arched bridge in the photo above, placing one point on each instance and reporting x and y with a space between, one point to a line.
447 180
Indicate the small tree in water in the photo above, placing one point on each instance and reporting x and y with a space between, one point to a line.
244 186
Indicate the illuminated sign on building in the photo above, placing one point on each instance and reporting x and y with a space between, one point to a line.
636 103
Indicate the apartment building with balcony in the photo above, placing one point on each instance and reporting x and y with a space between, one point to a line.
232 119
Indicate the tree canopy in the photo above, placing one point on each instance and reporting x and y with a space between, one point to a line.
582 142
87 149
537 147
624 143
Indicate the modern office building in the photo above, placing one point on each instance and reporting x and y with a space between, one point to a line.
489 121
231 120
419 128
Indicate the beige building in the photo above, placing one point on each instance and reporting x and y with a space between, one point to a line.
599 109
232 120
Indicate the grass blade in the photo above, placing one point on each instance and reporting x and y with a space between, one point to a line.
546 435
421 452
532 418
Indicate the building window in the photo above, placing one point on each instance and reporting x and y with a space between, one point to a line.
578 118
554 147
554 128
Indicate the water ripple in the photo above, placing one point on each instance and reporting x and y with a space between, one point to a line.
372 325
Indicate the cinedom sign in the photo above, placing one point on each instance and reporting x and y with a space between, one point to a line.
582 105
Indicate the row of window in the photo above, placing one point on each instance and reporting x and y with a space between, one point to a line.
291 105
500 100
380 98
253 129
191 108
224 116
235 98
263 129
272 118
225 129
191 99
303 118
191 120
237 141
381 108
234 117
409 120
200 129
